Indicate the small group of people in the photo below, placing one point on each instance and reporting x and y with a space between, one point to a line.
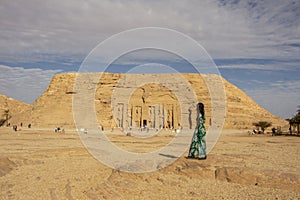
254 131
58 129
15 126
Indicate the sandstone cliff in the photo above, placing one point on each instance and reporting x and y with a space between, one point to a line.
17 111
54 107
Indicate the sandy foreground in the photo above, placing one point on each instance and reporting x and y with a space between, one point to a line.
42 164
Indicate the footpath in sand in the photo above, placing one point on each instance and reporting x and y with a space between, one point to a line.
42 164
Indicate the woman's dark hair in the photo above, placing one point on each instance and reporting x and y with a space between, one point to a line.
201 109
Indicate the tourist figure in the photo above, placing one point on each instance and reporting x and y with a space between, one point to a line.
15 127
198 144
273 131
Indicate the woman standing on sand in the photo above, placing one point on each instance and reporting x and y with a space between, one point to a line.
198 145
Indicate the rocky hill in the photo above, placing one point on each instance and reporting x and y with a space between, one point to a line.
54 107
13 109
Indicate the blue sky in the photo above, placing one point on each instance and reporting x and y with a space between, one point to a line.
255 44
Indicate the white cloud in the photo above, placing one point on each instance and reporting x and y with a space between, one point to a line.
281 98
24 84
75 27
273 66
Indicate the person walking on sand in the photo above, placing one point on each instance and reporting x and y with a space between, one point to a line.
198 144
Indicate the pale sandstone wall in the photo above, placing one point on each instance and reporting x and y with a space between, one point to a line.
54 107
17 110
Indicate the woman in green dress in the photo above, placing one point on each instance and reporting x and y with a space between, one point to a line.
198 145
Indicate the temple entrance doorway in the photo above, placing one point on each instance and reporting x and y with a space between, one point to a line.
144 123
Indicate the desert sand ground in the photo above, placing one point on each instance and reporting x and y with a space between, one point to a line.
42 164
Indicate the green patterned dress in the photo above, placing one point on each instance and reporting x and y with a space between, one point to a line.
198 145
